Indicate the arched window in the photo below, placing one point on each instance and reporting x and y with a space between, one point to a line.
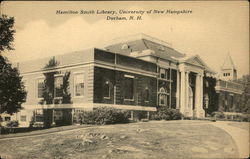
106 89
162 97
125 46
129 87
206 100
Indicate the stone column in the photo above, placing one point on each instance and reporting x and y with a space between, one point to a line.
187 93
182 100
197 95
202 113
177 91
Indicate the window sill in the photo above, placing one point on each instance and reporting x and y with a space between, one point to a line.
106 98
164 79
58 97
78 97
130 100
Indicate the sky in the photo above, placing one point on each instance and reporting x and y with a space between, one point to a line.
212 30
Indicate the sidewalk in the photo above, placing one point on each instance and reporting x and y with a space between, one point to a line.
43 132
239 135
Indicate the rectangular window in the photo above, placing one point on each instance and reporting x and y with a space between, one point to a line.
39 115
40 87
7 118
79 84
106 89
23 118
232 100
146 95
58 114
58 86
129 88
162 73
168 74
162 99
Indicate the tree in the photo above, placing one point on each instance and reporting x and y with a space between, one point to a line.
6 32
49 87
48 91
66 99
12 91
245 97
212 95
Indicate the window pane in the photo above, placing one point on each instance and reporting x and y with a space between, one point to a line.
58 86
106 89
129 85
7 118
79 85
40 88
39 115
23 118
162 73
162 99
58 114
168 73
146 95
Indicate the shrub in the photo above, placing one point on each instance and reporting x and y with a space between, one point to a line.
245 118
104 115
219 115
13 123
139 115
167 114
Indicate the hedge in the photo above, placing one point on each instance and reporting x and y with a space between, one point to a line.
104 115
164 113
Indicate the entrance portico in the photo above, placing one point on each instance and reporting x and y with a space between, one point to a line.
191 88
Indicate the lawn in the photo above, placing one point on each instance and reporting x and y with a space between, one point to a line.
156 139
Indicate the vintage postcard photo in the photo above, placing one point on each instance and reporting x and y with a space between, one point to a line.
124 79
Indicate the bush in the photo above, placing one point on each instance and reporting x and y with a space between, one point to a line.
245 118
139 115
13 123
167 114
219 115
104 115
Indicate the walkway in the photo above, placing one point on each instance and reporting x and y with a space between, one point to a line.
43 132
239 135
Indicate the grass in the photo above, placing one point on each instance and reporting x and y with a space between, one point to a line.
161 139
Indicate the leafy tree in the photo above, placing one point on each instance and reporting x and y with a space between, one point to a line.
12 92
6 32
66 99
48 92
212 95
245 97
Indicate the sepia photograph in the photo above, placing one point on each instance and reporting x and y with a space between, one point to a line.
124 79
